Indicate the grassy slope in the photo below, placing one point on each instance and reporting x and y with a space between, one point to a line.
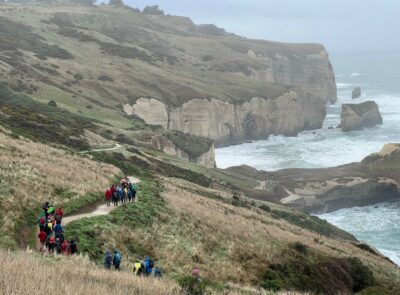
233 240
33 173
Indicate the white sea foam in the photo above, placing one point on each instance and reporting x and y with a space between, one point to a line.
355 75
345 85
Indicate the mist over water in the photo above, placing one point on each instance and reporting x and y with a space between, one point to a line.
379 78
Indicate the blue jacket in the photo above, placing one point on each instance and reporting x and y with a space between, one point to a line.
58 228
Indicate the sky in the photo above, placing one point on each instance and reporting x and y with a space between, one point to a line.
341 25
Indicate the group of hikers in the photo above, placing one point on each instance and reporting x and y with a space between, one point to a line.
51 235
140 268
123 193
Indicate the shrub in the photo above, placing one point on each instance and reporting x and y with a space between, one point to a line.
106 78
52 103
78 76
192 286
266 208
361 275
300 247
207 58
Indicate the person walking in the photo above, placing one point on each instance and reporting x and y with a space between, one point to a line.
108 197
108 260
42 238
117 259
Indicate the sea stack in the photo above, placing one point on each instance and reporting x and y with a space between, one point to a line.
356 93
359 116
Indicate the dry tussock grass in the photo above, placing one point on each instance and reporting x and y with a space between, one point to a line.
28 274
235 244
33 172
32 274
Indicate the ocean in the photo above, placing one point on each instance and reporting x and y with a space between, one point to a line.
378 76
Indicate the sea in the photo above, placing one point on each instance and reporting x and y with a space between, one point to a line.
378 75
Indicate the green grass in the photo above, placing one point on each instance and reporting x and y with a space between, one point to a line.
38 121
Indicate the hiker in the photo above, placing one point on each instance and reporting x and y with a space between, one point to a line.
65 248
130 195
157 273
58 246
148 264
42 222
126 194
196 274
108 197
73 247
108 260
138 268
60 235
114 195
51 243
117 259
134 190
59 215
42 238
46 207
58 228
120 194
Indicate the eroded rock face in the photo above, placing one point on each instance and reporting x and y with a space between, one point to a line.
228 123
356 93
359 116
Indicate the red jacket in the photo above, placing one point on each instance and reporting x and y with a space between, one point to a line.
42 236
108 195
60 212
65 247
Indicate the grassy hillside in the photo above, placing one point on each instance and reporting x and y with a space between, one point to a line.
238 243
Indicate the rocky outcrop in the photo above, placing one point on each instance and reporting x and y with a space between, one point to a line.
229 123
356 93
373 180
163 144
359 116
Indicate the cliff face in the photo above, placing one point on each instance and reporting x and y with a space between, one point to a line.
228 123
295 109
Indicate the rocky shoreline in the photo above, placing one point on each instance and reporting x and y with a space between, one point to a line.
373 180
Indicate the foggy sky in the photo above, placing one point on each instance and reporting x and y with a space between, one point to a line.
341 25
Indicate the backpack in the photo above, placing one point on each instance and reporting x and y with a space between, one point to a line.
117 258
42 220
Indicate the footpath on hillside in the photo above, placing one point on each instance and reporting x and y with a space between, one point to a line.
99 211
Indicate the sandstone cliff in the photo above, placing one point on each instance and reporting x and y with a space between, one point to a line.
373 180
228 123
